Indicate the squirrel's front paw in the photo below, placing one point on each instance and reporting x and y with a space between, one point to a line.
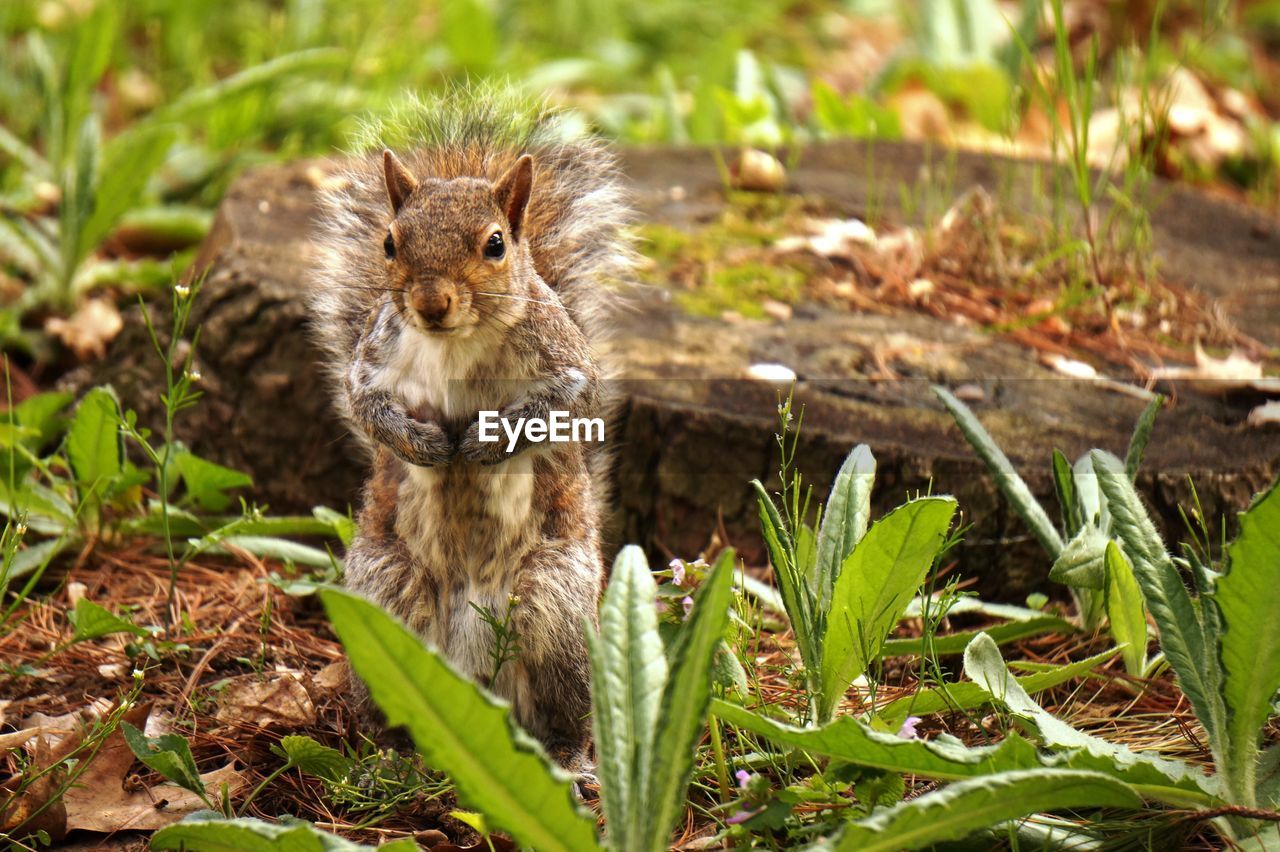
473 449
426 445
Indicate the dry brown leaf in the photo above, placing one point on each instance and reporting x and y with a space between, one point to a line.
16 738
87 333
277 699
102 802
41 804
1236 373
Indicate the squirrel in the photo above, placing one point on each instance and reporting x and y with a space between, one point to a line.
472 273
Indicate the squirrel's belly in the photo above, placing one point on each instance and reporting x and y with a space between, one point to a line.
469 521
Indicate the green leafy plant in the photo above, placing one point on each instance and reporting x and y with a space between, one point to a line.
650 702
845 587
1088 561
1221 643
650 705
97 182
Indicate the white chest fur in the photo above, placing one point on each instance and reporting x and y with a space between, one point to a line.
433 373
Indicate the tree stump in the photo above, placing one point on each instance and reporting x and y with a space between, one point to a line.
694 431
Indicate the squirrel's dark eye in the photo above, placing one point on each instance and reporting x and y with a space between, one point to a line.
495 248
389 245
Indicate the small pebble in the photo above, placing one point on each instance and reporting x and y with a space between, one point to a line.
758 172
780 311
970 393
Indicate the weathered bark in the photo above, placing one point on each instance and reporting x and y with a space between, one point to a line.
693 432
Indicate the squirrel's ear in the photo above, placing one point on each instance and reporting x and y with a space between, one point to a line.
400 182
512 192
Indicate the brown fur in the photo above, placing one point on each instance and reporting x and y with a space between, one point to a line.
423 341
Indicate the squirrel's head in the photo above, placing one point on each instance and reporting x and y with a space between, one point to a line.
456 249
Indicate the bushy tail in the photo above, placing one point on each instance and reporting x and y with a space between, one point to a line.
577 221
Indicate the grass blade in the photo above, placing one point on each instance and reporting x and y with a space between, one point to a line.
684 703
1141 436
1007 479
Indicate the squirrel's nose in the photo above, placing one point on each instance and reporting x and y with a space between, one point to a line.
433 305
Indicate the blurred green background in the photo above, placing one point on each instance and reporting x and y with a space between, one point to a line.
123 121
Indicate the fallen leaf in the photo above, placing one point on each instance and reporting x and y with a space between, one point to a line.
277 699
1267 414
1236 373
35 798
778 374
88 331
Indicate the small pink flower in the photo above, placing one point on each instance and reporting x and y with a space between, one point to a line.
677 571
687 603
744 778
743 816
908 729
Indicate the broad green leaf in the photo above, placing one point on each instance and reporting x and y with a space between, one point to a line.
955 643
960 809
36 555
45 510
93 441
268 546
852 740
1065 485
1141 436
1082 562
208 482
15 148
1007 479
985 667
876 583
340 524
966 696
845 518
169 755
128 162
41 415
945 758
1269 778
206 832
1125 610
315 759
192 106
497 768
93 39
685 700
1248 598
1191 653
1092 508
629 673
91 621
